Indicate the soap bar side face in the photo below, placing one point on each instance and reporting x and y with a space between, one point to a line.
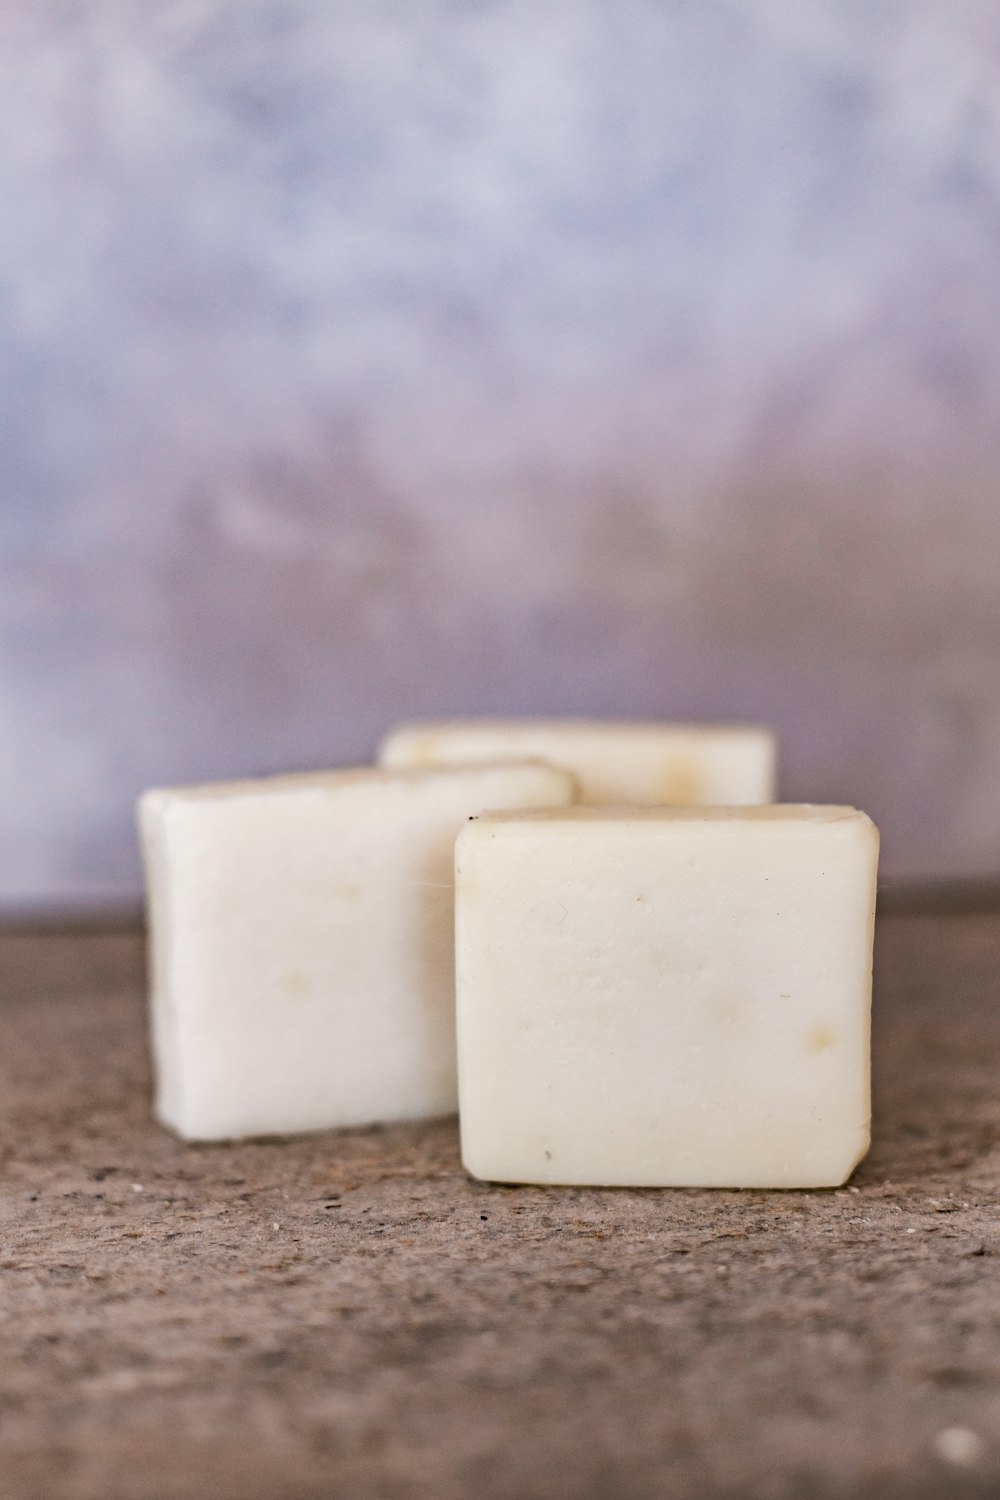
681 765
160 955
665 1003
303 958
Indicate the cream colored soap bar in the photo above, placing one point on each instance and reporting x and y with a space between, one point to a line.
303 944
666 998
678 764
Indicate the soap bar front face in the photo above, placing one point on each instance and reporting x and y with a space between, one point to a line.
666 998
303 944
651 764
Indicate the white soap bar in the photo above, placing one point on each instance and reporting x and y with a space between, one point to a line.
303 944
679 764
665 998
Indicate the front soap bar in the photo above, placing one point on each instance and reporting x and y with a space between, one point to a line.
302 944
680 764
666 998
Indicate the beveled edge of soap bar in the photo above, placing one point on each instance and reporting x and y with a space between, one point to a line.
676 1182
616 816
333 780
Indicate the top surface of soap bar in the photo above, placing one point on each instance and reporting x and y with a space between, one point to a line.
321 781
584 818
606 729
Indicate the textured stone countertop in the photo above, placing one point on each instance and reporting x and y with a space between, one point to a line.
347 1315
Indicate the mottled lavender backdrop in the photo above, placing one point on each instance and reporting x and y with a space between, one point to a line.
364 358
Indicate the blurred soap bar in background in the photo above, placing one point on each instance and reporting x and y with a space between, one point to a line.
682 765
302 943
666 998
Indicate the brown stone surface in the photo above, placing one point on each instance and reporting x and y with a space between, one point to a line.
349 1316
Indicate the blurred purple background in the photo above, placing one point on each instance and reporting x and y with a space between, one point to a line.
368 360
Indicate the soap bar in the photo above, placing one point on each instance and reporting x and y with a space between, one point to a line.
680 764
302 955
661 997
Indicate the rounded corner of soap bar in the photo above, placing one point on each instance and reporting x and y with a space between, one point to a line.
385 751
402 747
190 1135
163 809
184 1123
862 1146
862 835
840 1166
165 1117
466 834
868 829
480 828
150 804
845 824
480 1170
